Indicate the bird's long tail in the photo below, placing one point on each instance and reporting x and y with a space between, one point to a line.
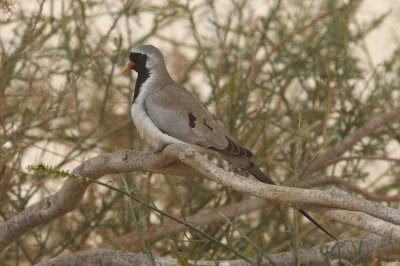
261 176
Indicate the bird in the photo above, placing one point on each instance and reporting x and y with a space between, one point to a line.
164 113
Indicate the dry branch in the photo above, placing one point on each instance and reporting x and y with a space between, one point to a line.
335 205
71 193
289 195
205 217
360 248
352 187
369 128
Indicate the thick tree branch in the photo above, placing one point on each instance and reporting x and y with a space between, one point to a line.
289 195
71 193
360 248
332 204
319 201
207 217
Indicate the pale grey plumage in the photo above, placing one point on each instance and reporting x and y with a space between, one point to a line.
164 112
169 106
173 118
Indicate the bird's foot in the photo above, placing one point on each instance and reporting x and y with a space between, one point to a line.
160 149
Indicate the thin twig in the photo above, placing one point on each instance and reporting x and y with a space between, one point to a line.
369 128
300 30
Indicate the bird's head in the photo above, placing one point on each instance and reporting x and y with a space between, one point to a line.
145 58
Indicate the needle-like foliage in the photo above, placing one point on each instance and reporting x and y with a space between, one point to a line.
290 80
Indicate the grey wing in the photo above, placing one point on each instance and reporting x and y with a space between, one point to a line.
177 113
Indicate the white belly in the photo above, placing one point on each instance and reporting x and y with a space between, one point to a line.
147 130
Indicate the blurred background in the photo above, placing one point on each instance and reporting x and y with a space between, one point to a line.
64 100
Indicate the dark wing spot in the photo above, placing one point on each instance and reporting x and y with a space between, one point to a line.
210 128
192 120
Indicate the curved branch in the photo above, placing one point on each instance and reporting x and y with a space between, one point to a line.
290 195
323 202
369 128
360 249
71 193
207 217
194 164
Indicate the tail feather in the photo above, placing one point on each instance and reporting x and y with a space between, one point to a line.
316 224
261 176
257 173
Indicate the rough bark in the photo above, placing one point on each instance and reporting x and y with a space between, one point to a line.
183 160
355 250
